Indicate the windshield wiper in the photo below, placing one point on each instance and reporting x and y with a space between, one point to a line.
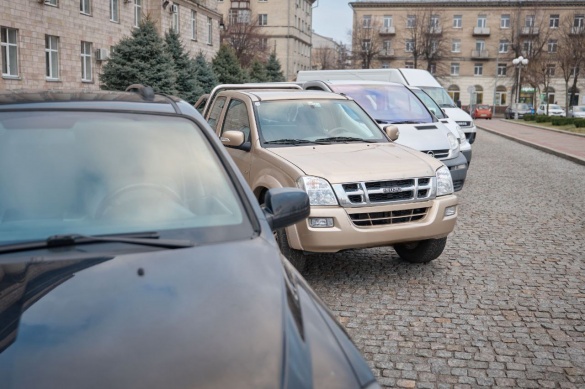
406 122
287 142
343 139
144 239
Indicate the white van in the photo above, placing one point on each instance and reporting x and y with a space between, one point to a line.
411 77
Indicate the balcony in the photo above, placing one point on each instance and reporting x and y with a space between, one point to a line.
481 31
387 53
388 31
529 31
577 30
479 54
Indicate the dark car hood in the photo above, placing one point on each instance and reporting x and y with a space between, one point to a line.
213 316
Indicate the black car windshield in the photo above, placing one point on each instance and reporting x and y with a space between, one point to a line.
387 103
440 95
96 173
286 123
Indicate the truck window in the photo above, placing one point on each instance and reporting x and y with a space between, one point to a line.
236 118
216 111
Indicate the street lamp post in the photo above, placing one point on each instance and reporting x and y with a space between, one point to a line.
519 62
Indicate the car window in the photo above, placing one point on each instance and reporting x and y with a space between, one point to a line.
236 118
430 103
90 173
311 120
215 111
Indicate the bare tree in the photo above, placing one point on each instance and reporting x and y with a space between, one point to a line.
366 41
325 57
244 34
570 54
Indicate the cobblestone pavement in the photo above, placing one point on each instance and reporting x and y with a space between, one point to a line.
504 306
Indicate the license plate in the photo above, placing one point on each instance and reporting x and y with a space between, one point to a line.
483 115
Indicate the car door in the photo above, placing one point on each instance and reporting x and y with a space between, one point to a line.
237 118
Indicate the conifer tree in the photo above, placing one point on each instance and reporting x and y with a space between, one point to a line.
204 73
258 72
273 69
226 66
140 59
187 85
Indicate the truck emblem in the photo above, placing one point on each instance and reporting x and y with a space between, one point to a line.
430 152
394 189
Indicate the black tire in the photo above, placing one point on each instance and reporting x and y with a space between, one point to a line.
421 252
296 257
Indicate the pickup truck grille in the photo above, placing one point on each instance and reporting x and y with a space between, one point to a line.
385 218
360 194
464 123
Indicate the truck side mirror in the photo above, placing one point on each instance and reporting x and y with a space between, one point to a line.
232 138
392 132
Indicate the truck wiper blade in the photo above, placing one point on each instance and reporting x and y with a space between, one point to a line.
343 139
406 122
144 239
287 141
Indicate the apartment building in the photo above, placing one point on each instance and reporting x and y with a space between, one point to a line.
470 45
326 53
285 23
59 44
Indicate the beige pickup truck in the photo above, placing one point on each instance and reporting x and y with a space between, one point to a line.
365 190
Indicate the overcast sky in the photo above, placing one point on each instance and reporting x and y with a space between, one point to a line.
332 19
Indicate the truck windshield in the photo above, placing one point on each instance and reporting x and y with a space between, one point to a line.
430 103
440 95
387 103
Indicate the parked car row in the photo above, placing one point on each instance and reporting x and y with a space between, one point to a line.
577 111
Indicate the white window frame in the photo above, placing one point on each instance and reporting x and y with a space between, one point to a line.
554 21
388 22
367 21
85 7
550 69
579 21
262 19
482 21
387 45
410 21
478 69
505 21
457 21
9 52
434 21
194 25
53 3
115 11
529 21
527 46
366 44
409 65
175 19
209 31
86 61
479 45
552 45
433 68
502 70
137 12
409 46
503 46
51 57
455 68
456 46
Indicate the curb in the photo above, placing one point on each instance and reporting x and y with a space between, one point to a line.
542 128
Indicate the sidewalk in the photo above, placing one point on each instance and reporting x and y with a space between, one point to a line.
563 144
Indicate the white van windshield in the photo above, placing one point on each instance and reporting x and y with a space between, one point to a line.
440 95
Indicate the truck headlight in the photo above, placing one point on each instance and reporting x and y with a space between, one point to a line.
319 190
444 181
453 142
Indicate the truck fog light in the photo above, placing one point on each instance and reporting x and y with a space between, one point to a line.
450 211
458 167
321 222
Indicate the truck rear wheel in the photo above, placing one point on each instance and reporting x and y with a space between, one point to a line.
296 257
421 252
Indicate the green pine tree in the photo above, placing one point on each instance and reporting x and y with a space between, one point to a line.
273 69
258 72
140 59
204 73
226 66
187 85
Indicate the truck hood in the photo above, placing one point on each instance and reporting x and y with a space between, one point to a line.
423 137
340 163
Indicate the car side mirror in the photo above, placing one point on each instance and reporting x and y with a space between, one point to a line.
233 138
284 207
392 132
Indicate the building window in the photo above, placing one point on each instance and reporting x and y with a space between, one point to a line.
114 11
86 74
434 22
386 47
387 21
502 69
410 21
501 96
409 46
263 43
480 45
454 69
529 21
579 21
550 70
478 69
433 68
554 21
52 57
505 21
9 51
51 2
453 91
552 45
263 19
456 45
194 25
385 65
175 20
367 21
209 31
85 7
409 65
482 21
366 44
574 71
504 45
137 12
527 47
457 21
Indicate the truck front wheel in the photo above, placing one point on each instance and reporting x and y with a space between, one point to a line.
421 252
296 257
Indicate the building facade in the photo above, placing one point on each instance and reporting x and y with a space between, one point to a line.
58 44
286 25
326 53
470 46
